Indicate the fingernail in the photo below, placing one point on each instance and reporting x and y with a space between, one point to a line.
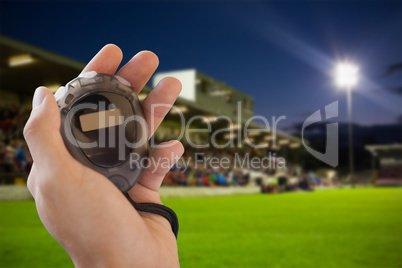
38 97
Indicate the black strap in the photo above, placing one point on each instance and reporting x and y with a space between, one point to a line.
159 209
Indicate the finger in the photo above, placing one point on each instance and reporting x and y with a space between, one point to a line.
106 61
42 131
159 101
139 69
161 159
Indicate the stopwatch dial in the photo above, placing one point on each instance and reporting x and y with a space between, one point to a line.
103 125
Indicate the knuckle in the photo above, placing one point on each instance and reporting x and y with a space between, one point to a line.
32 126
159 111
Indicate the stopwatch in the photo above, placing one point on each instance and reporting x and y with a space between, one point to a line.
103 126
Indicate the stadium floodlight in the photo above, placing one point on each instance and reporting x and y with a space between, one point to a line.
346 77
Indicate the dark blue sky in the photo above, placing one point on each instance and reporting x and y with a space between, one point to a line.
281 53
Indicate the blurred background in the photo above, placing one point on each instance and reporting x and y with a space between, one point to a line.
261 59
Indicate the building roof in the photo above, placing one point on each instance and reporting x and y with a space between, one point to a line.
45 68
54 70
385 149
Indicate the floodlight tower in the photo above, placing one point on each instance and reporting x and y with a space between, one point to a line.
346 77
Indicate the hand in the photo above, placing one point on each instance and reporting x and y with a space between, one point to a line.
82 209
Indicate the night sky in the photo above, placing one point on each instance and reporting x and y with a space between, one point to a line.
281 53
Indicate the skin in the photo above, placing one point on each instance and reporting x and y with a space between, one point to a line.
81 208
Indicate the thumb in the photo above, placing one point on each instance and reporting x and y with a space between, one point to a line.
42 131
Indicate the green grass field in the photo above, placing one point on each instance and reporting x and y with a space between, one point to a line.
334 228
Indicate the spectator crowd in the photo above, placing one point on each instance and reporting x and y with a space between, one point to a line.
15 159
192 171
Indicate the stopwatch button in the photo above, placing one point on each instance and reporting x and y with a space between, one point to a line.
123 81
60 93
90 74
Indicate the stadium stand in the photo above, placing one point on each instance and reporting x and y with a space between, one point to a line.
387 163
201 96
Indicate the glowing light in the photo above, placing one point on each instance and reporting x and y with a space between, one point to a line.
142 96
230 136
20 60
275 147
346 75
294 145
282 142
234 126
253 132
210 118
251 139
268 138
178 109
330 174
218 93
53 87
263 144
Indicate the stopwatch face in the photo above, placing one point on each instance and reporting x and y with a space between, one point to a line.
103 126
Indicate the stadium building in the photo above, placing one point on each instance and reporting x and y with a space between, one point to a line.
386 164
205 104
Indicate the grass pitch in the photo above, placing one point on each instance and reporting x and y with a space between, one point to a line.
334 228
